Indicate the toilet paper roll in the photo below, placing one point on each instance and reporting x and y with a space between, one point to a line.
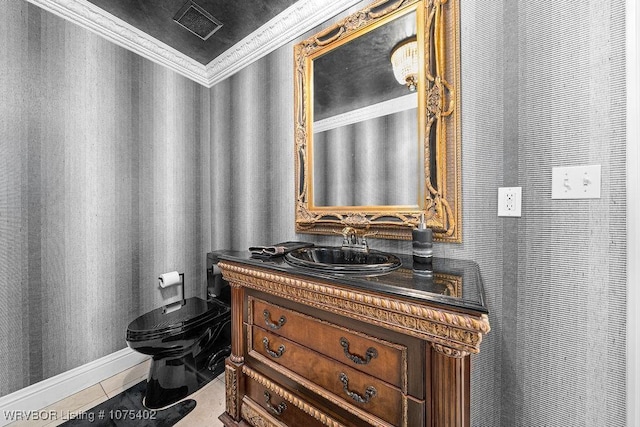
169 279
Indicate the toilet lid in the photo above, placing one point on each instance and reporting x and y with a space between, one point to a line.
195 311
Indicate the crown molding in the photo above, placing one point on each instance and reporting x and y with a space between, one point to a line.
98 21
289 24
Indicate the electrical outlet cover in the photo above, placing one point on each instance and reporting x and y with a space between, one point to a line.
510 201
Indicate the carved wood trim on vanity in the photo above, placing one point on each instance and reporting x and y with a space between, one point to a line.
231 386
452 334
236 323
256 416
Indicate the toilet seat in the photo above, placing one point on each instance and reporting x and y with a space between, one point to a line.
156 324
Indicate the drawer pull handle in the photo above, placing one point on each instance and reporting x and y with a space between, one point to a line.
272 325
275 409
371 353
369 393
270 352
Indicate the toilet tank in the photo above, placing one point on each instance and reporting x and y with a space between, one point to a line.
217 287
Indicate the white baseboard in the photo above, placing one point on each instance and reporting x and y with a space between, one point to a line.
51 390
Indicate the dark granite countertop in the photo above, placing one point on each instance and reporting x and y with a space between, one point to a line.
450 283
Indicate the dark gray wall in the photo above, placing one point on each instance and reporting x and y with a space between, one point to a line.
101 189
542 86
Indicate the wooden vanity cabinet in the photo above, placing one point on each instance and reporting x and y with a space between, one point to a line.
310 352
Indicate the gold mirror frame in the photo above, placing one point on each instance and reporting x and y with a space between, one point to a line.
438 117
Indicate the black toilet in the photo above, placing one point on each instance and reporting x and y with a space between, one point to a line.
188 346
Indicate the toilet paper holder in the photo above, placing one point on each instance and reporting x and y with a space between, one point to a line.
176 305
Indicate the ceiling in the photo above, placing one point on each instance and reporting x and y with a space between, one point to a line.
250 29
359 73
239 18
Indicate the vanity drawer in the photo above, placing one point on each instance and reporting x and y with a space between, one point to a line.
280 404
382 359
347 387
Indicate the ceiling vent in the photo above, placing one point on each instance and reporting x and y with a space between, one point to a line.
197 20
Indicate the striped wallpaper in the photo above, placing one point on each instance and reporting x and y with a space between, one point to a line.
555 278
103 155
114 169
349 170
571 262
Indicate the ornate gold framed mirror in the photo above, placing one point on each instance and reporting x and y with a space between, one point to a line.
377 132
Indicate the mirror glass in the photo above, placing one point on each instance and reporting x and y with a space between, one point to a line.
365 124
376 122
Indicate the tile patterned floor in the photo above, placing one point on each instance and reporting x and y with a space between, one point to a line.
210 400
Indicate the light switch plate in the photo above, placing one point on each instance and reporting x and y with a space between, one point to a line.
510 201
575 182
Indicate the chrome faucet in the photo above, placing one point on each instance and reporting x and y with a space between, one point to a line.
349 236
350 240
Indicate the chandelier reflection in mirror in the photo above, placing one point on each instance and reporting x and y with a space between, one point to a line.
404 60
